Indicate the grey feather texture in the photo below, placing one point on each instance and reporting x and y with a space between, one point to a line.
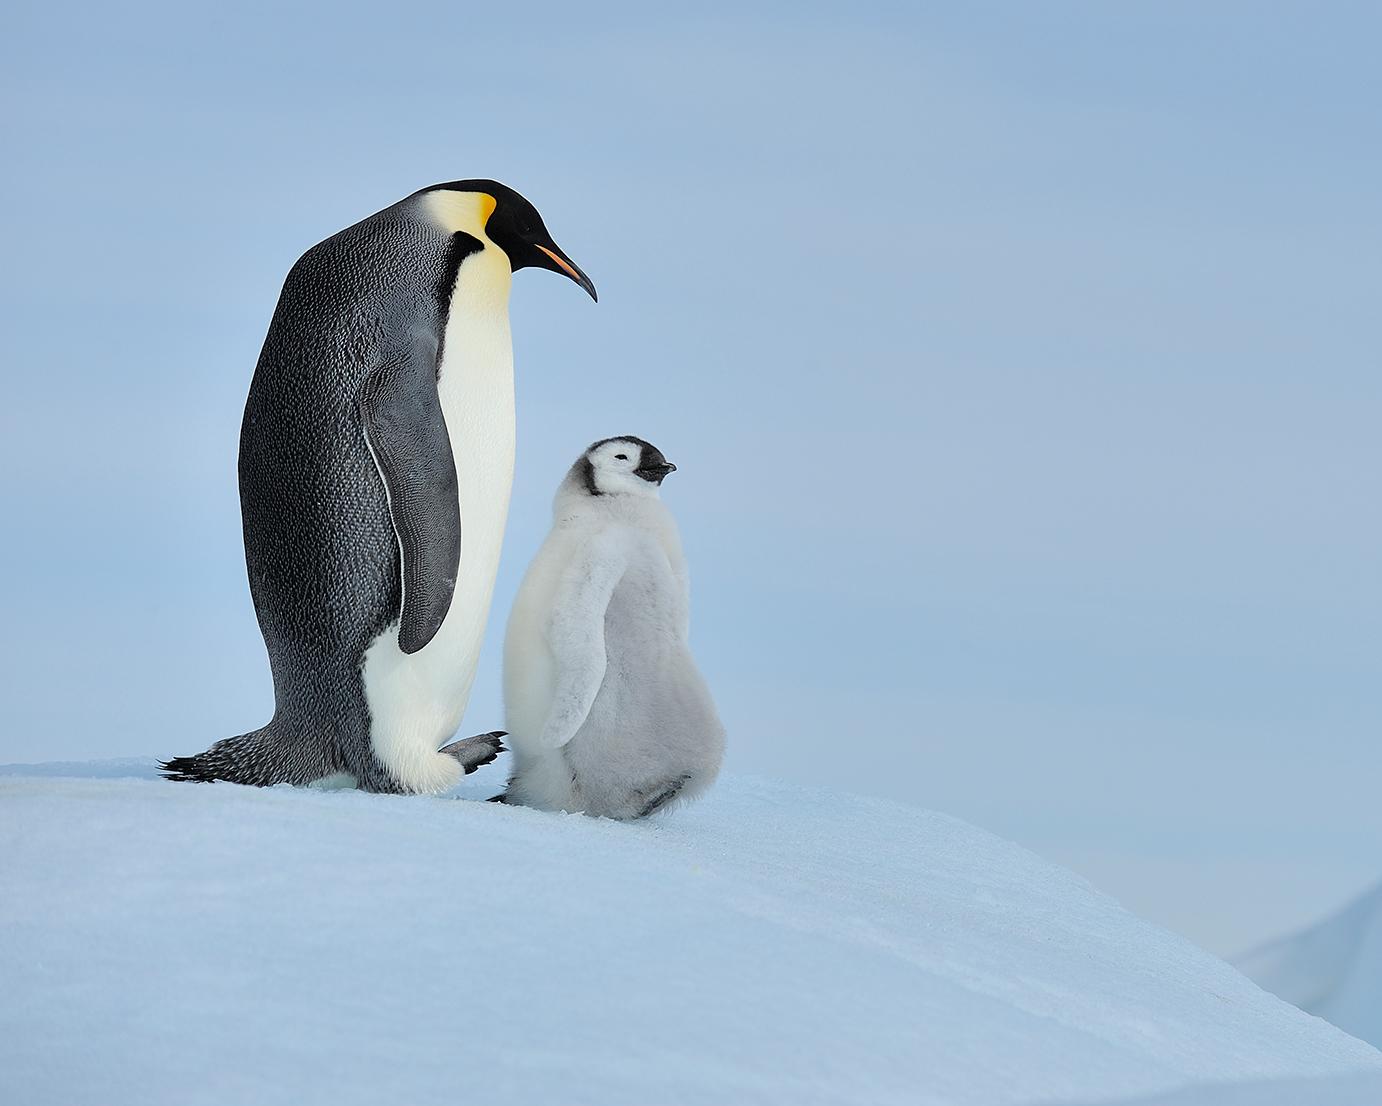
321 547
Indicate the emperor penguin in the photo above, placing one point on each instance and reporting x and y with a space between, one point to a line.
606 710
376 458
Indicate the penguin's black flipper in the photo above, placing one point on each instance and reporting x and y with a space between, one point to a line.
412 450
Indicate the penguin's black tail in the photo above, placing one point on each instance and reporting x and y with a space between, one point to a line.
260 758
188 769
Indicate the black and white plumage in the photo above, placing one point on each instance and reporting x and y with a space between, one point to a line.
606 710
376 458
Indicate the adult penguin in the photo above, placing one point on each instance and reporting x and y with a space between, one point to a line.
376 458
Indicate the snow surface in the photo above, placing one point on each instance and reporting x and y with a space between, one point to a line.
1342 1090
1333 969
189 944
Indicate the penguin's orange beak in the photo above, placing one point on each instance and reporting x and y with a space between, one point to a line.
565 265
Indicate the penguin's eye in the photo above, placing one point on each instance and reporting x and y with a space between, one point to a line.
621 456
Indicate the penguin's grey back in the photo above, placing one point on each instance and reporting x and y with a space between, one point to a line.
320 548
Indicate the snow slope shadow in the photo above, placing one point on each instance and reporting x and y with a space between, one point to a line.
1333 969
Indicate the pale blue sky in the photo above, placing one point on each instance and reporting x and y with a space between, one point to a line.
1021 362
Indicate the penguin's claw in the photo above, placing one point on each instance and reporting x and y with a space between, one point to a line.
473 752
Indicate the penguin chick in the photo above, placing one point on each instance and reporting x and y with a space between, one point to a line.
607 712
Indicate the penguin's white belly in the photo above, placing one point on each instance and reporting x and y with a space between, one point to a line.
416 702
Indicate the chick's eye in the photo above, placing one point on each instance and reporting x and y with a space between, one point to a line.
621 456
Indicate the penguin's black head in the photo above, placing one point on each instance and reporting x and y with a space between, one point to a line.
622 466
515 227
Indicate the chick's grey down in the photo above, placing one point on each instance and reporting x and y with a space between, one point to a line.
607 712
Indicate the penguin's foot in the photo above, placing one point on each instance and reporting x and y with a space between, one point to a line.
661 797
472 752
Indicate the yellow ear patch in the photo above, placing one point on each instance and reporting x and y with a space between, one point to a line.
461 211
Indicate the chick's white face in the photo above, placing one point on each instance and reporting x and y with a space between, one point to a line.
625 466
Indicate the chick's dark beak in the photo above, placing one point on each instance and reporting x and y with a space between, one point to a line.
563 264
655 473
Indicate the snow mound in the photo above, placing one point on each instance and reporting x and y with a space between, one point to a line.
1333 969
199 944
